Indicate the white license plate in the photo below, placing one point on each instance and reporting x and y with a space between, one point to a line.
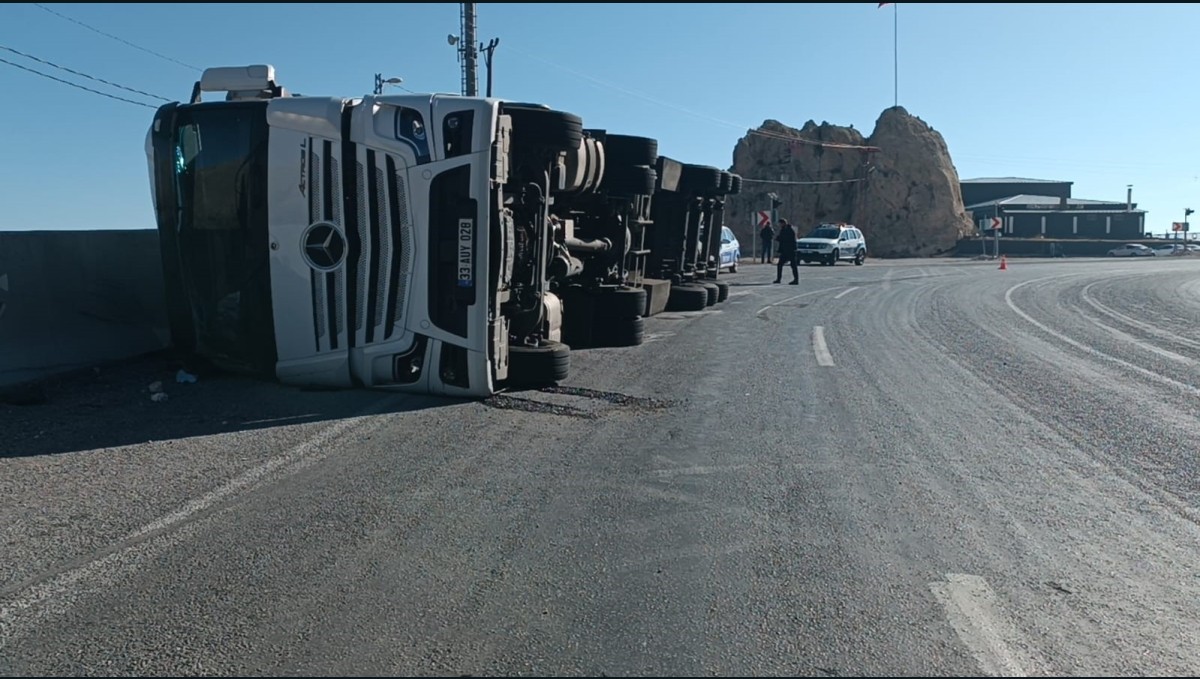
466 253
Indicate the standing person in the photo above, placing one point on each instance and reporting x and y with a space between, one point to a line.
767 234
787 252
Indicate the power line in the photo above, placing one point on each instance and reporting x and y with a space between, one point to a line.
118 39
68 70
68 82
681 109
814 183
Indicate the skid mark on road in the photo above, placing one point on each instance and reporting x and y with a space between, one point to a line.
57 590
761 313
1154 376
975 613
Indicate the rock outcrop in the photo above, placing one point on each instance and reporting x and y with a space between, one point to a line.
901 189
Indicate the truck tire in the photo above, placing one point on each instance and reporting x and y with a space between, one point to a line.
541 126
687 297
722 290
620 303
735 186
627 332
629 180
699 179
621 149
542 365
725 184
710 289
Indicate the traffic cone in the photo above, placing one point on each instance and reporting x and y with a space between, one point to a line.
1003 263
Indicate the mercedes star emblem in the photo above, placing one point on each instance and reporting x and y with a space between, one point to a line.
324 246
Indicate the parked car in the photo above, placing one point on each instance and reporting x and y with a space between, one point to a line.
1175 249
1131 250
731 250
829 243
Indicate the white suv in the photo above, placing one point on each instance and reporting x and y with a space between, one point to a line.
829 243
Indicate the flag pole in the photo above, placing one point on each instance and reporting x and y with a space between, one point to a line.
896 53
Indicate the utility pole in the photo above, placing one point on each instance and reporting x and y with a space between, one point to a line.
470 55
487 58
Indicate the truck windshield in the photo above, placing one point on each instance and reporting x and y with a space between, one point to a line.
220 167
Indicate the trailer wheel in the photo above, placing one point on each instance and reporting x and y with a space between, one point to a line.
627 332
620 303
735 185
541 126
634 180
725 183
621 149
540 365
699 179
722 290
687 297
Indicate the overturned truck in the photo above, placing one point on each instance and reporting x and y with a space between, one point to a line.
428 243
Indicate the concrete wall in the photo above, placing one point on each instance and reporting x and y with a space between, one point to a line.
72 299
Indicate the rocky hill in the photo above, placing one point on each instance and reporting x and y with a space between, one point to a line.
901 189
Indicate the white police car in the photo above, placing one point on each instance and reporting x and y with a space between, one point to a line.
731 250
830 243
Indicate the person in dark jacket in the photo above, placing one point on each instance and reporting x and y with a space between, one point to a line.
768 238
787 251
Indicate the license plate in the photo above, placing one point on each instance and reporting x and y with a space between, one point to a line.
466 253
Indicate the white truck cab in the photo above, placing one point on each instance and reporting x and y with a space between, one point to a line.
394 241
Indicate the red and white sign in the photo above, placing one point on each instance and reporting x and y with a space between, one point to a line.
996 223
764 218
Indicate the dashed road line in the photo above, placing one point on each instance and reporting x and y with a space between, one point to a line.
824 358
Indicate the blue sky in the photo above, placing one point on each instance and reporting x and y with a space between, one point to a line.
1103 95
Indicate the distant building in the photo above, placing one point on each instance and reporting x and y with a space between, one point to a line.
1041 207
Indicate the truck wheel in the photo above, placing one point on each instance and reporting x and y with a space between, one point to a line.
541 126
541 365
735 186
621 333
622 149
725 183
710 289
687 297
620 303
629 180
722 290
699 179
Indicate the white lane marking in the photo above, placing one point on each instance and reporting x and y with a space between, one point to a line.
760 312
824 358
739 293
845 292
975 614
1161 379
67 585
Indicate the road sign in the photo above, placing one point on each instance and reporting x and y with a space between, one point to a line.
764 218
996 223
1179 226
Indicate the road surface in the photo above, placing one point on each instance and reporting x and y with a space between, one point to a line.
905 468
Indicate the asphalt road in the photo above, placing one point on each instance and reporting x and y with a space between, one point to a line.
906 468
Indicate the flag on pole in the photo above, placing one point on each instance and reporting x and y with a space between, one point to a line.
895 51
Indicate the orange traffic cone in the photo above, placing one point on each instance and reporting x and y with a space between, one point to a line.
1003 263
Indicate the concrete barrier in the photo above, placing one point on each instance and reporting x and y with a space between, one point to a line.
73 299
